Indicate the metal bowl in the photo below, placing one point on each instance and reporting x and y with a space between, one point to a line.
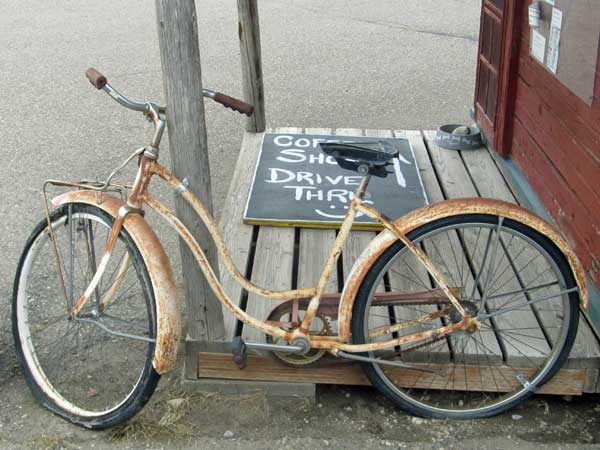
459 137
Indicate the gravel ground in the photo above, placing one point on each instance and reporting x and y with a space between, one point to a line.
340 418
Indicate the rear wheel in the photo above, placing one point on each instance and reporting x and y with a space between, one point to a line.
94 369
509 276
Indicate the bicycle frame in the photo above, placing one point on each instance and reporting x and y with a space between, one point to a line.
314 294
140 196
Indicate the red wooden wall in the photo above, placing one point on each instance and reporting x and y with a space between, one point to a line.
555 139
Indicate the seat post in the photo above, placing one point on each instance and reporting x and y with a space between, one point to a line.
362 187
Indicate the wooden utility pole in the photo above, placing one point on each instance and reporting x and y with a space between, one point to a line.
249 34
182 79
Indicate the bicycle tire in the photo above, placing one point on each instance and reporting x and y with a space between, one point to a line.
93 366
420 392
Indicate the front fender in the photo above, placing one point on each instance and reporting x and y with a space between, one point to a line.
441 210
168 308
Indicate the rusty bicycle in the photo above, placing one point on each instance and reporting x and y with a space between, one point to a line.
461 309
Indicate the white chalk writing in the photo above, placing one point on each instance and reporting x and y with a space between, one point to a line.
332 192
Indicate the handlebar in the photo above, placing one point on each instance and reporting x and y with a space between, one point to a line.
99 81
229 102
96 78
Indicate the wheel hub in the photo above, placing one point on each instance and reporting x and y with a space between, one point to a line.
469 307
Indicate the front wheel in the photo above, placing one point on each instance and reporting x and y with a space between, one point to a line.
513 279
95 369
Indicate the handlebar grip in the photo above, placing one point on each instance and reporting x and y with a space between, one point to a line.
234 103
96 78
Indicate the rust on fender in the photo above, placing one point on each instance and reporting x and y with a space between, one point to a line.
168 307
440 210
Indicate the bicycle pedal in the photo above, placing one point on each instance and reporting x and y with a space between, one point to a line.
239 352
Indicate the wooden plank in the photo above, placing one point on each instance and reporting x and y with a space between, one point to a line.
273 265
238 235
471 377
597 384
577 165
449 248
508 76
221 365
182 80
314 248
560 97
456 183
412 275
575 121
490 183
315 245
357 240
591 381
252 77
562 204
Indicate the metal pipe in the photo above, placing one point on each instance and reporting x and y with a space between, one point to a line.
124 101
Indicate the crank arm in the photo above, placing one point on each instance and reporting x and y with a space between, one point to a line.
110 245
385 362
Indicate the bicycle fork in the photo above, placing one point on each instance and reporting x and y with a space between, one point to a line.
108 250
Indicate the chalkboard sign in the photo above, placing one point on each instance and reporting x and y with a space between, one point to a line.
296 184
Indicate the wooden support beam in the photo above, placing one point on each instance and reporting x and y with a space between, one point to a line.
182 79
249 34
468 378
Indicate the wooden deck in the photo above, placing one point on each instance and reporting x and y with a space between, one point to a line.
284 258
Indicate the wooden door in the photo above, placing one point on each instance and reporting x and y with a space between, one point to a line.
496 71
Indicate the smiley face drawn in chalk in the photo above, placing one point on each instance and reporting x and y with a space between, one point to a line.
337 216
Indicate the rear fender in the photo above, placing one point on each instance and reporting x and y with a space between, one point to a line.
441 210
168 308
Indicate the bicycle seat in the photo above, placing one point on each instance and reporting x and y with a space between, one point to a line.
362 157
